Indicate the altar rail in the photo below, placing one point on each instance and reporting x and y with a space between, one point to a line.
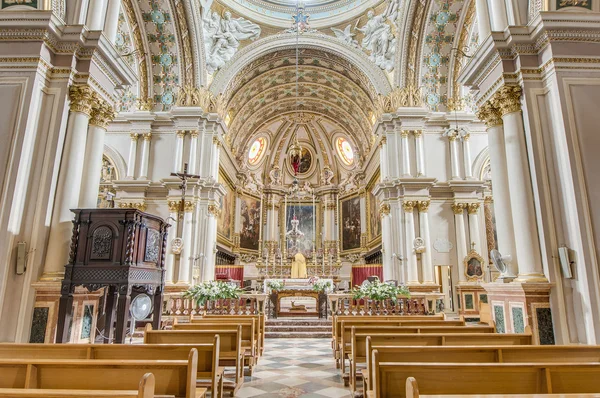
175 305
417 304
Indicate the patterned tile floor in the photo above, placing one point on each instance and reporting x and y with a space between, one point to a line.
295 368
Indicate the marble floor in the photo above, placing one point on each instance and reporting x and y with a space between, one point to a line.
295 368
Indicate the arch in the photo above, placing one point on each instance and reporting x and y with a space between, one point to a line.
117 160
481 162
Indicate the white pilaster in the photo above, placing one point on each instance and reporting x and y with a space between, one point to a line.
177 164
405 154
193 152
96 14
427 266
132 156
474 234
483 19
386 239
147 138
186 260
411 256
454 162
210 244
111 25
174 221
467 157
383 158
420 153
461 239
497 9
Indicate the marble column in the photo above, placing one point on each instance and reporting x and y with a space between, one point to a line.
215 151
527 244
185 260
193 167
454 163
96 14
69 179
497 10
386 239
173 232
147 138
467 157
210 244
426 263
474 234
420 153
383 158
461 239
101 115
483 19
405 155
177 164
111 25
132 156
411 256
502 206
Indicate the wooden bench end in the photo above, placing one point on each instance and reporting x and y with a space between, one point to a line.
412 388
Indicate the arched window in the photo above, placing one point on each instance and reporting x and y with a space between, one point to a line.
344 150
257 150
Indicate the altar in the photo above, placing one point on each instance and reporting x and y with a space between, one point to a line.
297 298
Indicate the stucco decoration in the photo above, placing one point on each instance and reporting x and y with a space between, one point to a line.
379 40
346 35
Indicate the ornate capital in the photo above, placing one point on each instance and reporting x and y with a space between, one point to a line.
189 206
134 136
133 205
180 133
216 141
508 99
384 209
489 114
488 200
214 210
102 114
82 99
458 208
145 104
409 205
147 136
194 133
400 97
466 137
173 205
383 140
418 133
473 208
423 205
404 133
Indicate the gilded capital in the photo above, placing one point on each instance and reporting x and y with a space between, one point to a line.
147 136
134 136
423 205
384 210
408 205
214 210
189 206
418 133
194 133
489 114
82 99
405 133
181 133
473 208
488 200
508 99
173 205
458 208
216 141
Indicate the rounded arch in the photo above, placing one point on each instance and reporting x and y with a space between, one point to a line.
481 162
117 160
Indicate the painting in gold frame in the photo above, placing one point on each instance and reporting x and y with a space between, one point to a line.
250 220
350 225
473 264
373 216
227 207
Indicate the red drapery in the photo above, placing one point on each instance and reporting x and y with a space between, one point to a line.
226 272
361 272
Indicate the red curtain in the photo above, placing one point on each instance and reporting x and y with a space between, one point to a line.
361 272
226 272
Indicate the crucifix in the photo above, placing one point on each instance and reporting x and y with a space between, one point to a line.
183 177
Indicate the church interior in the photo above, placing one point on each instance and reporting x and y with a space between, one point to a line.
299 198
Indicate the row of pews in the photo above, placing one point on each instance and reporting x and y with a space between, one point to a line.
186 362
431 357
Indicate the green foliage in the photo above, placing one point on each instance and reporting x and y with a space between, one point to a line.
212 290
379 291
275 285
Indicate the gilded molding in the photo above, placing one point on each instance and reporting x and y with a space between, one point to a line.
82 99
145 102
133 205
473 208
423 205
508 99
409 205
458 208
490 115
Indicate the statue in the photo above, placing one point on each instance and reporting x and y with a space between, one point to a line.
391 12
326 176
299 267
222 37
346 36
297 307
275 176
379 40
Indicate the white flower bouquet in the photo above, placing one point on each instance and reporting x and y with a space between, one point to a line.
321 285
275 285
379 291
212 290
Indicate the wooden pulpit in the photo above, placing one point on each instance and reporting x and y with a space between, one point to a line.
122 250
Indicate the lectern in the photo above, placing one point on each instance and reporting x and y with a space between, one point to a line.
122 250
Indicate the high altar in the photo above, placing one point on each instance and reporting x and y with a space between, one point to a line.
299 289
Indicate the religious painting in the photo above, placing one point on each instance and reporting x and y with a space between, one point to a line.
305 161
225 219
573 3
473 266
250 217
300 229
373 214
350 223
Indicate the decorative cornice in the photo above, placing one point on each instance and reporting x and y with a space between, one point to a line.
82 99
508 99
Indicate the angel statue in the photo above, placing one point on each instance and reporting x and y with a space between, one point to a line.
379 40
346 36
222 37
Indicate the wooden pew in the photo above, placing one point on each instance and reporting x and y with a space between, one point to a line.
249 343
363 345
145 390
230 350
412 391
389 378
236 319
172 378
209 374
260 322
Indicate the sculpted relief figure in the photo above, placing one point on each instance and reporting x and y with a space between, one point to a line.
346 36
379 40
222 37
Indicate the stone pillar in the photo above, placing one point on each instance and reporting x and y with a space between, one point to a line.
454 163
426 264
211 242
405 155
483 19
173 232
411 256
497 9
193 167
132 156
215 150
527 244
474 234
461 239
111 25
420 153
385 172
69 180
502 207
185 260
386 241
177 165
145 155
101 115
96 14
467 157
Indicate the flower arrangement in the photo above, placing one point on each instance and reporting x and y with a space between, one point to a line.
379 291
321 285
212 290
275 285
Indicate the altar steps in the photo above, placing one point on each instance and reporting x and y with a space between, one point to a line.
297 328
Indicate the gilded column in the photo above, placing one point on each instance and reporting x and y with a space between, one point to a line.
101 115
405 154
173 231
69 180
502 206
426 263
461 238
411 256
420 153
177 166
527 244
474 233
467 156
186 262
147 138
193 167
132 156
